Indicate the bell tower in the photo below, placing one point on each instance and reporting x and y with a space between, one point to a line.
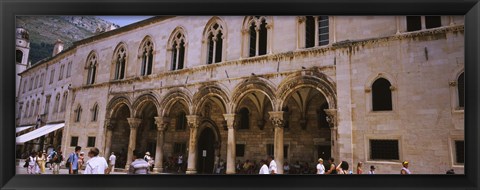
22 50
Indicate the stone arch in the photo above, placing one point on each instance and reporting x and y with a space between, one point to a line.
372 78
253 84
209 123
173 96
142 101
145 39
115 103
219 95
307 78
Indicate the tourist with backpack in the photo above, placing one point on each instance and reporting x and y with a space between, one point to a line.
57 159
72 161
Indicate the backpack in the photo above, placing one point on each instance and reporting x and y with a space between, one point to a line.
69 162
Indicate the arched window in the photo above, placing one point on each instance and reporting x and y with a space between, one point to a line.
244 118
461 90
91 68
57 101
177 49
181 121
214 38
64 102
95 112
37 107
257 35
26 109
32 106
19 56
120 60
381 95
147 57
78 113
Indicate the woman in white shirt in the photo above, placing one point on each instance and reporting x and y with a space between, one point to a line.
264 168
320 167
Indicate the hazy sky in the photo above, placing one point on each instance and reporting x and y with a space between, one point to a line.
123 20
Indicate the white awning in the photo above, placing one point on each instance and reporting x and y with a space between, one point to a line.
22 128
39 132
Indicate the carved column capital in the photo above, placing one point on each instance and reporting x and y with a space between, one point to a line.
277 118
230 119
134 122
193 121
162 123
331 117
452 83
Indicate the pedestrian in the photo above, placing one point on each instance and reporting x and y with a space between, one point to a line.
264 168
57 159
96 164
41 161
405 169
32 163
237 166
139 165
81 160
372 169
342 168
359 168
272 168
73 161
286 168
148 159
320 167
112 162
179 163
50 158
333 167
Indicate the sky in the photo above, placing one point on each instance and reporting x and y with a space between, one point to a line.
123 20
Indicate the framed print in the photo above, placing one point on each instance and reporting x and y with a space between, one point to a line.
209 95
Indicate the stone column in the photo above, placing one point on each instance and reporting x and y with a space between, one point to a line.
332 121
193 123
134 123
231 152
109 125
162 123
277 120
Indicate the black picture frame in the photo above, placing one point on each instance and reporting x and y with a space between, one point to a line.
10 9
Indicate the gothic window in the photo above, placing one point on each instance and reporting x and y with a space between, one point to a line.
27 109
64 102
19 56
25 85
52 74
95 112
78 114
257 35
32 106
181 122
69 69
244 118
91 68
37 107
461 90
41 80
313 31
56 104
177 49
31 84
47 105
381 149
381 95
214 40
147 57
60 76
310 31
120 61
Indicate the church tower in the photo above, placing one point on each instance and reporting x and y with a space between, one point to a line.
22 50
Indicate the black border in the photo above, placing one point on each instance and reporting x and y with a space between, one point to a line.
10 8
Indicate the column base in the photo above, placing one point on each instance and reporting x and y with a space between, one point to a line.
191 171
230 172
127 167
157 170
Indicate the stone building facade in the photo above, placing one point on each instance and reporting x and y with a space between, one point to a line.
371 89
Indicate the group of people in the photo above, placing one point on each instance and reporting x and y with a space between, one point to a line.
174 164
37 162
